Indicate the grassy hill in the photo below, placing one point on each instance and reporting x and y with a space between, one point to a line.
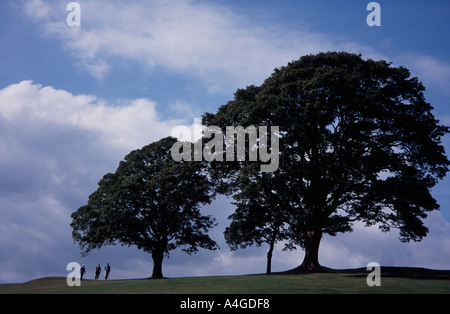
393 280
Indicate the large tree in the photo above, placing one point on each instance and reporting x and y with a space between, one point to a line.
151 202
358 142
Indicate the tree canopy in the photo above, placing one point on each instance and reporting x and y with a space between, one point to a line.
358 141
151 202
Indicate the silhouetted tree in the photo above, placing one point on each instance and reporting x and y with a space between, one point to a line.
260 215
358 141
151 202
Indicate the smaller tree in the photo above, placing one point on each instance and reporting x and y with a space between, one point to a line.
261 214
151 202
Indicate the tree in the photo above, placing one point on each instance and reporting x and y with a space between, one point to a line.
358 142
260 215
151 202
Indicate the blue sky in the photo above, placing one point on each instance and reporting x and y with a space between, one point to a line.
75 100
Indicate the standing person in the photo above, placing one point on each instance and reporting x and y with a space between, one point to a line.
82 271
98 270
107 270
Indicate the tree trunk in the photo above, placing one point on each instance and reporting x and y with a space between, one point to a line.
269 255
311 260
157 264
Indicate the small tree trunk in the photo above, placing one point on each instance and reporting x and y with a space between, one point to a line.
269 255
157 264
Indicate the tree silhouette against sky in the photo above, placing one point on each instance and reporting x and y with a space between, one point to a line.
150 202
358 142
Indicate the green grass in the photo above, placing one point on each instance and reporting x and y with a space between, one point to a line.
393 280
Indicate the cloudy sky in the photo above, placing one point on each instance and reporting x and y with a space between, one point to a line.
75 100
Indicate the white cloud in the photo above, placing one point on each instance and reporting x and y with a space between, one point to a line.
39 9
124 126
54 148
432 71
434 250
204 40
366 245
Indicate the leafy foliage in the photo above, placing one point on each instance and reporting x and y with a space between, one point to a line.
358 141
150 202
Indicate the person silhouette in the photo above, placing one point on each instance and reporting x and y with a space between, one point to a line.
98 270
82 271
107 271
